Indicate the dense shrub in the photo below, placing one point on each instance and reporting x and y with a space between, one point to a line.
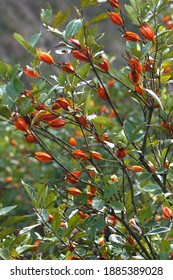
91 144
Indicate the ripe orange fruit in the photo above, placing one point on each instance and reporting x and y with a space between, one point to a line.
121 153
43 156
74 191
46 58
147 32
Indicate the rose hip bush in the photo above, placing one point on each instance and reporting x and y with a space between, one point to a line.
105 133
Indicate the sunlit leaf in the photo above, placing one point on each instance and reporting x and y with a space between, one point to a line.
72 28
29 228
154 95
114 238
5 210
46 15
158 230
60 18
24 248
165 77
30 49
30 190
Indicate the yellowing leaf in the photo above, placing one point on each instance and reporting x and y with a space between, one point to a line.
85 3
60 18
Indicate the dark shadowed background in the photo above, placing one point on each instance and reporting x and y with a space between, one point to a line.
23 17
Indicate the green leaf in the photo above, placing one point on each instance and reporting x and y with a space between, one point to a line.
29 228
168 63
146 49
109 190
100 222
41 194
162 171
4 253
46 15
137 137
15 220
60 18
145 214
12 92
72 28
25 106
24 248
50 200
134 4
20 240
34 39
87 104
46 244
85 3
152 93
168 54
116 205
132 14
30 190
165 77
97 203
7 231
5 112
5 210
157 231
56 222
104 121
25 44
5 70
135 51
79 235
128 130
115 238
72 223
15 71
165 249
83 70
